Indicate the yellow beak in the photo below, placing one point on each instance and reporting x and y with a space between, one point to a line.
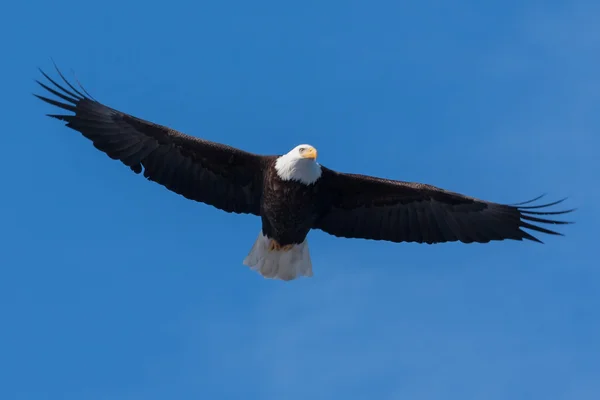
310 153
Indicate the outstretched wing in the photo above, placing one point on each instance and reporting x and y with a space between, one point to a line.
359 206
222 176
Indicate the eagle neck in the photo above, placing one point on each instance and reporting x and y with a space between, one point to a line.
297 169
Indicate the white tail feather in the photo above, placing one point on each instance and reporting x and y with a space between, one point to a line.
277 264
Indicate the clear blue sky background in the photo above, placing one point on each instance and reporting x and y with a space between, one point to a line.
111 287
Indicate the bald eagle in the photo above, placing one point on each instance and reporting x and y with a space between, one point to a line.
291 193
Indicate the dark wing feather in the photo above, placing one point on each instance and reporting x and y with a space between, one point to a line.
222 176
358 206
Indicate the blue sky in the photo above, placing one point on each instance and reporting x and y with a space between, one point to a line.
111 287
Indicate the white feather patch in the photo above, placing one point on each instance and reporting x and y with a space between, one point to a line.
291 167
284 265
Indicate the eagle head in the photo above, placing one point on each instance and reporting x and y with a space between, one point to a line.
299 164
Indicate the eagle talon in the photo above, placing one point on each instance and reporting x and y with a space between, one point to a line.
274 245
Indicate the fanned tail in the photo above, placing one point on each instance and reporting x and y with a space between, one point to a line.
279 264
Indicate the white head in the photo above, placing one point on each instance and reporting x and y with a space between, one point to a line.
299 164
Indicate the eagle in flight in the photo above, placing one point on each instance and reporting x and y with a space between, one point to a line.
291 193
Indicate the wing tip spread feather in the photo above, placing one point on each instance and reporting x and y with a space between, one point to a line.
72 96
529 217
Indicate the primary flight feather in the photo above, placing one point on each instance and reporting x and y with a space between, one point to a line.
292 193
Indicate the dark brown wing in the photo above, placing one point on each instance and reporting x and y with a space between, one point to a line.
208 172
358 206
